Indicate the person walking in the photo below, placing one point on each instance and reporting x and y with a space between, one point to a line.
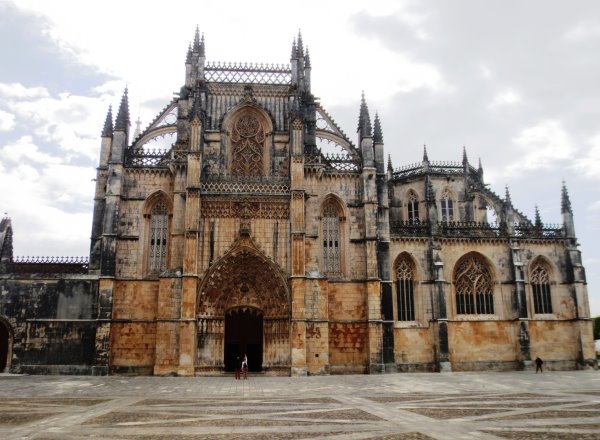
538 365
238 365
245 367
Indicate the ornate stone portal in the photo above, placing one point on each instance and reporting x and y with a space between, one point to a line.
244 280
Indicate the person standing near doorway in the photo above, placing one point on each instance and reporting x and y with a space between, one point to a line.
245 367
238 366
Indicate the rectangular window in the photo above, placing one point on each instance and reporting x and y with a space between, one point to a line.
542 301
406 300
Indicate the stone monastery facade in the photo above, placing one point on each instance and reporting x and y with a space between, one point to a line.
244 221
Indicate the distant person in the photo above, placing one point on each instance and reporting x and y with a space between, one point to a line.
238 366
538 365
245 367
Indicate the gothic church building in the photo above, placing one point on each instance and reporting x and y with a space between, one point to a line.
244 220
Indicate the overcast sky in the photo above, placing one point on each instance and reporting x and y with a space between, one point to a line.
516 82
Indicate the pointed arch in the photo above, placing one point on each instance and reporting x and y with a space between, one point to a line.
333 224
405 276
412 207
447 200
473 283
157 213
248 128
541 278
6 339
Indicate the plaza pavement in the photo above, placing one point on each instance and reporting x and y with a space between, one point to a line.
415 406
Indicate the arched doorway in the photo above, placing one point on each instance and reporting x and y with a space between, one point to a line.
5 348
243 306
244 335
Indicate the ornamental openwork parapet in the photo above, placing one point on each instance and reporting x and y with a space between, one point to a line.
471 229
246 186
409 228
49 265
434 167
334 161
547 231
248 73
135 157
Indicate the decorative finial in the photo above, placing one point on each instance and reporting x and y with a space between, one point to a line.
364 120
425 157
138 128
307 59
107 131
480 167
507 196
202 50
565 201
300 45
377 134
122 122
294 49
538 218
196 46
465 159
389 164
188 57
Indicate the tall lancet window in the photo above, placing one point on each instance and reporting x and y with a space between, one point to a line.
159 225
447 207
413 208
248 138
540 283
405 298
474 293
331 238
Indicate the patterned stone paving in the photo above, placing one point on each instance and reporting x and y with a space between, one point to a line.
418 406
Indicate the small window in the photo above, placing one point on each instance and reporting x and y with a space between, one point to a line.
405 290
331 238
413 208
474 293
159 218
447 207
540 283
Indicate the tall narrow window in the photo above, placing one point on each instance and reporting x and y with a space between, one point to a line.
331 238
447 207
413 208
404 290
540 283
473 288
159 222
248 138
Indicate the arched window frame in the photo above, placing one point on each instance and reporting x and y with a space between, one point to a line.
474 286
447 207
540 279
158 201
412 207
405 284
332 232
263 137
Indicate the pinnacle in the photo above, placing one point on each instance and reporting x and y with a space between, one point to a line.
122 122
202 47
507 196
425 157
107 131
538 218
196 46
307 58
364 120
389 163
565 201
294 49
465 159
377 134
300 45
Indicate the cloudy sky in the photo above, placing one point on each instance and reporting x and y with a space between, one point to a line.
514 81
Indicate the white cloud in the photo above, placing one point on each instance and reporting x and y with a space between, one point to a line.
24 150
541 146
589 162
7 121
504 98
584 31
9 91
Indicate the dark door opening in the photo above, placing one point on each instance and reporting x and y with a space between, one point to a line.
4 341
243 335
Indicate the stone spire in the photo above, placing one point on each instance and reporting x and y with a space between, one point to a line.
196 46
300 44
538 219
377 134
294 49
307 59
507 196
565 201
389 163
107 131
480 170
122 122
202 47
188 57
465 160
138 128
364 120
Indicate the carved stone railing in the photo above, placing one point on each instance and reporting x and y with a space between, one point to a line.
49 265
246 186
543 231
409 228
146 157
247 73
334 161
470 229
435 167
